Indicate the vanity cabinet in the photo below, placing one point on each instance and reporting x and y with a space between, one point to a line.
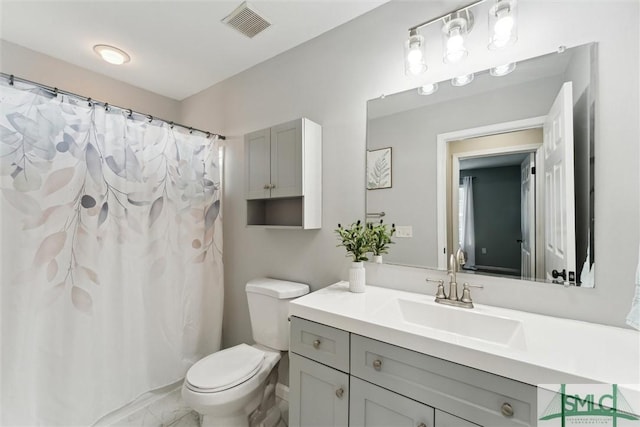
318 375
283 175
387 385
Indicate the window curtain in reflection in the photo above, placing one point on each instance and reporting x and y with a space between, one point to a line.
468 232
111 256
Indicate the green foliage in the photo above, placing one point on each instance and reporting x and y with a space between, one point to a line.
380 237
356 240
359 239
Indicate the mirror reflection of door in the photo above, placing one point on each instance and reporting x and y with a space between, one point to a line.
528 218
559 200
503 205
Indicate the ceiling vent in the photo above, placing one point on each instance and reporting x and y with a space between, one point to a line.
247 21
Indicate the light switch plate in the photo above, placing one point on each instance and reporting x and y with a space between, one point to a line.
404 231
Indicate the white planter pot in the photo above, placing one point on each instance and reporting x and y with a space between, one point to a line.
357 277
377 259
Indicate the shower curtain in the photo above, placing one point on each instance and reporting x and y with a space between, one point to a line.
111 255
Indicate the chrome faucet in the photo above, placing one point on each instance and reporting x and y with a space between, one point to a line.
455 262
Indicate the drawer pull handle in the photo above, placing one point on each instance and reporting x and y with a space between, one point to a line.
340 393
316 344
377 365
507 410
422 425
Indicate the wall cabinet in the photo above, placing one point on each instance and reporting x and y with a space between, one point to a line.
283 175
393 386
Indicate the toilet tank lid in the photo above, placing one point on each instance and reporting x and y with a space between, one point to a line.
281 289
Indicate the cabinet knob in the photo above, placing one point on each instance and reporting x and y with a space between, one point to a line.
340 393
507 410
267 186
377 364
272 186
316 344
422 425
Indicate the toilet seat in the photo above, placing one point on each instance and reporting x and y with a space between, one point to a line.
225 369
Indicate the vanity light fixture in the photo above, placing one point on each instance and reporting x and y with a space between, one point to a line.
502 24
428 89
456 28
462 80
502 70
112 54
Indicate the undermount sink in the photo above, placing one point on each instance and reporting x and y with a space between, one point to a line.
469 323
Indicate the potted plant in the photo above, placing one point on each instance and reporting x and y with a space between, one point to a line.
380 239
356 239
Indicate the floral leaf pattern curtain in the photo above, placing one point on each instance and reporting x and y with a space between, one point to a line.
111 262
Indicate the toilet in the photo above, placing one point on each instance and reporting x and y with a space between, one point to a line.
235 387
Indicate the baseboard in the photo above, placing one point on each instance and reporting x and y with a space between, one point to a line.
282 391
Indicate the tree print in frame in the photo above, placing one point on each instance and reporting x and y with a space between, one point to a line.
379 169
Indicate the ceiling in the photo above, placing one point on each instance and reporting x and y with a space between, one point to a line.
177 47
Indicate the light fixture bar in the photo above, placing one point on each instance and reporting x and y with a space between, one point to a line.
431 21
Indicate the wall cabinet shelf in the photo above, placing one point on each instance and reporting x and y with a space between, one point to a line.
283 175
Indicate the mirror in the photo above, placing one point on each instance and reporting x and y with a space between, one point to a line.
502 167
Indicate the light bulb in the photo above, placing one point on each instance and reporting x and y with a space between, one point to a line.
504 24
415 55
455 41
454 47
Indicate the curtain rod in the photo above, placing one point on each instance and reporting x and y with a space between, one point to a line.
91 101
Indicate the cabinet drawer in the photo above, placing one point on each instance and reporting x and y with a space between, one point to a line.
473 395
321 343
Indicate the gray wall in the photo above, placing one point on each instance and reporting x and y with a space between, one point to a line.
330 78
496 206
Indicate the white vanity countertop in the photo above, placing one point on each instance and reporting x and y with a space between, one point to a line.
553 350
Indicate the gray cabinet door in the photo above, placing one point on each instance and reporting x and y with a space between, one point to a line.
447 420
286 159
373 406
319 395
257 146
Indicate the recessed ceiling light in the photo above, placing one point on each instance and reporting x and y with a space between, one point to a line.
111 54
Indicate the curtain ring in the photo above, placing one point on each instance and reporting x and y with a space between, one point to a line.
150 118
130 113
190 130
106 107
55 92
89 102
11 80
208 135
171 125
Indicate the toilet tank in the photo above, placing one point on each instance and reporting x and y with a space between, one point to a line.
269 310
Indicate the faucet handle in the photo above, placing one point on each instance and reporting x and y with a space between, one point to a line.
440 292
466 292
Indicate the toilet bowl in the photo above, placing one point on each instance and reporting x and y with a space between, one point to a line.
235 387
